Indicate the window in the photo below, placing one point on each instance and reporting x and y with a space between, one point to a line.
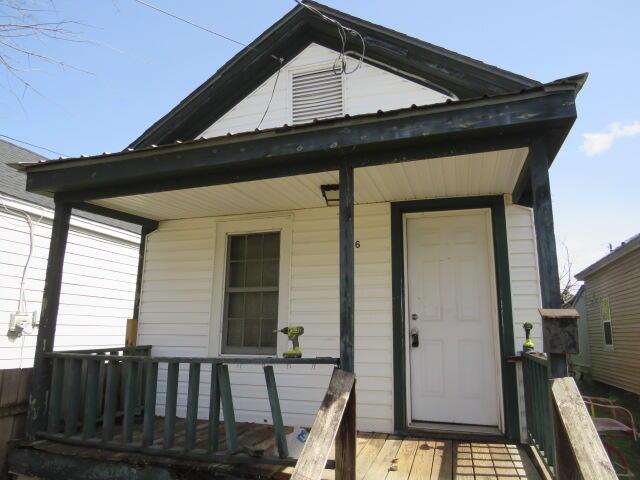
605 314
251 294
316 94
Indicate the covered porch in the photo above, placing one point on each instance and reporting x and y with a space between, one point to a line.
378 456
469 156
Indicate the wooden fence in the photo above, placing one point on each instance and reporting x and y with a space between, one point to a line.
14 397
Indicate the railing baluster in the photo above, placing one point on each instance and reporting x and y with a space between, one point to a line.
227 408
150 390
73 397
55 396
276 413
90 399
214 410
111 399
130 397
139 403
192 406
538 405
102 380
173 370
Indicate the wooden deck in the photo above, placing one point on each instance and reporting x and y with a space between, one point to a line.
379 457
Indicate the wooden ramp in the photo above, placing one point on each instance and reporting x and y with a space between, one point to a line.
379 457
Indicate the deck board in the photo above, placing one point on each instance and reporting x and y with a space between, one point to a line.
379 456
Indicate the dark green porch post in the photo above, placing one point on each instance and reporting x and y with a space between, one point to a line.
549 280
546 241
346 269
37 417
346 436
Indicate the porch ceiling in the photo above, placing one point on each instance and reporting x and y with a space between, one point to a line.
487 173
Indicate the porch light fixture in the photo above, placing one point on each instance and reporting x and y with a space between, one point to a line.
331 194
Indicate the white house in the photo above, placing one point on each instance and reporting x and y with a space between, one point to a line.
397 206
188 258
99 282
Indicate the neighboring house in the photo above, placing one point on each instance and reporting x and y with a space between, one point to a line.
407 201
612 298
582 361
99 281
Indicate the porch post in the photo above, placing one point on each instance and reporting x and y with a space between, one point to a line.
346 268
546 242
41 379
346 436
144 231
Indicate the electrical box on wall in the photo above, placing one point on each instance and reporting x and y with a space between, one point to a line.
19 321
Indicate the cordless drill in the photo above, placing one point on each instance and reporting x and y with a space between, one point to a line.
292 333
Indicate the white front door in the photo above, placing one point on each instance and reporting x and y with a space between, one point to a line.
453 352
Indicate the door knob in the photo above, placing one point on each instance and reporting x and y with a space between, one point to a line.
414 316
415 338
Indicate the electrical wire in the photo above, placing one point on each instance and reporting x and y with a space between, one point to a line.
280 60
340 64
22 298
31 144
273 91
208 30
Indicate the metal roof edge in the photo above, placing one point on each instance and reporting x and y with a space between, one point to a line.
437 107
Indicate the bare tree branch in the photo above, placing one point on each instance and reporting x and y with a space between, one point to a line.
568 284
25 26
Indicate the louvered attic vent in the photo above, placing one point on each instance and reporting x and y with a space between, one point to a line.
316 94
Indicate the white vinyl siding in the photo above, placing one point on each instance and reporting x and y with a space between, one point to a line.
367 90
523 270
177 297
175 326
525 288
98 285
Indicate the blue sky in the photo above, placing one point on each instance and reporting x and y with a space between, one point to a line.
141 64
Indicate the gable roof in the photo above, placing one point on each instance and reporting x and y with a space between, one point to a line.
616 254
433 66
13 184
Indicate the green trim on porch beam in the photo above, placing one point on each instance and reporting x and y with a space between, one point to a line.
147 223
397 136
503 288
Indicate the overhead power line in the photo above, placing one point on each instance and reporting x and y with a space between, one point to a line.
32 145
208 30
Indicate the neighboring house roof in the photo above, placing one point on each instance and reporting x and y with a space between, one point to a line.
624 249
575 299
13 184
449 72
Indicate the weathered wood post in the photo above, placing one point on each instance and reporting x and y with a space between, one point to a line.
546 241
42 369
549 282
346 437
560 339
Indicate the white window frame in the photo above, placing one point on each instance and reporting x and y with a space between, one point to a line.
607 346
239 226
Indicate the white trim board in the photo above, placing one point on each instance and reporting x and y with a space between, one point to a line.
224 228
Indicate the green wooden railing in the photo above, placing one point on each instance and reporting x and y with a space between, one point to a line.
99 397
538 405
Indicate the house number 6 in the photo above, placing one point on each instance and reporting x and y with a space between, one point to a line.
357 243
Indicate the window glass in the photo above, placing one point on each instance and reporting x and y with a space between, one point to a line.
251 294
605 314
